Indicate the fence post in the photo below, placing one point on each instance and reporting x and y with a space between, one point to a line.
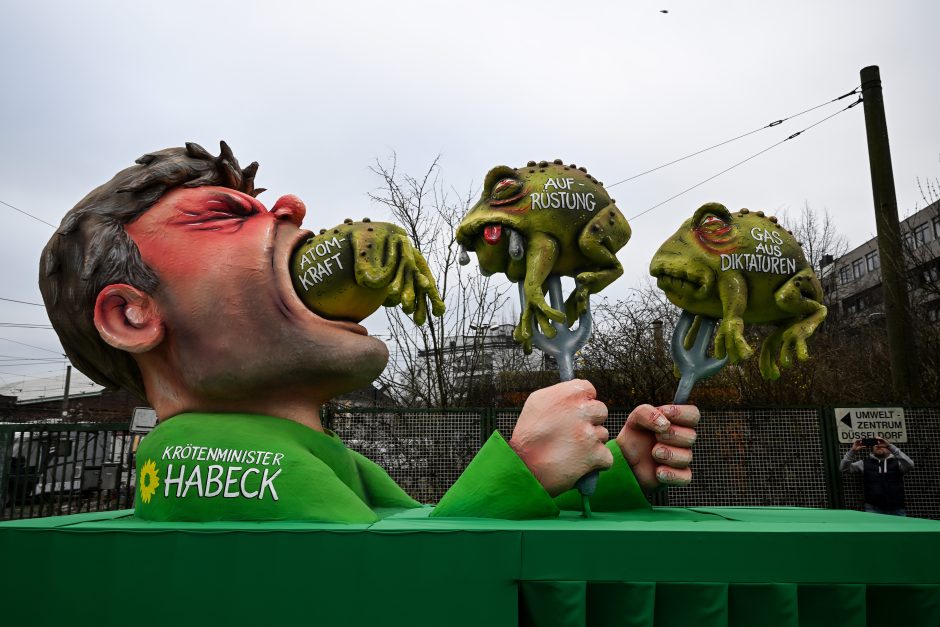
6 443
831 457
487 424
326 416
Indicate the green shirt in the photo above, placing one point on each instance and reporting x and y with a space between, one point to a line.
203 467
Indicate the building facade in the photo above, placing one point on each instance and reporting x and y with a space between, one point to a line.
853 281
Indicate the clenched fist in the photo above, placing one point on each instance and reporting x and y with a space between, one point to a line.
560 435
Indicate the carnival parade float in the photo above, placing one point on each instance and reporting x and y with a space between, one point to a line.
173 281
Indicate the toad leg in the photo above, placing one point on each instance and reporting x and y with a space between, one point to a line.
729 339
541 254
799 296
598 243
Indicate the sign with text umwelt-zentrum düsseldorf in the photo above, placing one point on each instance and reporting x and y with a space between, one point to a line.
855 423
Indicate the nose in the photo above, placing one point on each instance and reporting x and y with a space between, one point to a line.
290 208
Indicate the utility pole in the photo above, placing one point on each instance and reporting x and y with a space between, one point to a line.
65 396
905 367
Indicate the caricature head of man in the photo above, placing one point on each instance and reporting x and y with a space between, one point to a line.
172 280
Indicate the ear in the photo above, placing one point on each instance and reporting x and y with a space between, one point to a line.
127 319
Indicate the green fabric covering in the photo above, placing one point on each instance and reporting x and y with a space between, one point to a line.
617 489
506 490
656 567
911 606
776 604
826 605
625 604
554 603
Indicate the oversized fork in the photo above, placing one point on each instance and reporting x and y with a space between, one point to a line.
694 364
562 348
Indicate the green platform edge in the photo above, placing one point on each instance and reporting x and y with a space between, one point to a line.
659 567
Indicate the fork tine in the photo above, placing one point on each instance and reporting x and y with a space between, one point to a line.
693 364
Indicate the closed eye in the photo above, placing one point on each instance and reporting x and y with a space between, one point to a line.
218 213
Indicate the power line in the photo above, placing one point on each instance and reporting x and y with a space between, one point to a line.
32 346
733 139
18 325
22 302
26 213
757 154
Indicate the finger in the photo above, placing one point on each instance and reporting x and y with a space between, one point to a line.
545 325
785 360
600 458
649 418
683 415
742 348
582 387
408 293
802 353
672 456
601 433
678 436
437 305
421 313
673 476
537 300
720 346
595 412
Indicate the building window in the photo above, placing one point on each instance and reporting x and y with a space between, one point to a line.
932 274
858 268
872 261
845 275
933 311
916 237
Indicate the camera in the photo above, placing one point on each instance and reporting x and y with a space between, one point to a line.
869 441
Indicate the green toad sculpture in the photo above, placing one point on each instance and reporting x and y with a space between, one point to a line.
543 219
742 268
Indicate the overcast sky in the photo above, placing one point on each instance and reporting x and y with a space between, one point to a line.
316 92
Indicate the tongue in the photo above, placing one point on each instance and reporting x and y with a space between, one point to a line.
492 233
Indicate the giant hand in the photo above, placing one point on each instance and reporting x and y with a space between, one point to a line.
657 443
560 435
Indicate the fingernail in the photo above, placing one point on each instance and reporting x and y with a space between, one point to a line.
661 422
667 435
661 453
664 476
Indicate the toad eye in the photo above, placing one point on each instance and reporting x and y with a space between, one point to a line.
713 221
506 188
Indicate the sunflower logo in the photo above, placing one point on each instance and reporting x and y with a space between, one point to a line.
149 480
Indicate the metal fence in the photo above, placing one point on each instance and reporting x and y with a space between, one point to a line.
55 469
786 456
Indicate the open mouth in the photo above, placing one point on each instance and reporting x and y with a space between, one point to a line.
284 246
677 280
492 233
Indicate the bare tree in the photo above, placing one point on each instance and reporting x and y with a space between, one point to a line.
627 358
817 233
437 364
